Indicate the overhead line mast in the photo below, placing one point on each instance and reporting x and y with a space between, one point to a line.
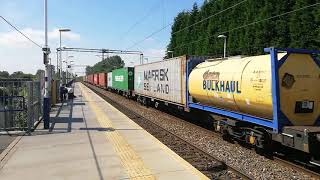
103 51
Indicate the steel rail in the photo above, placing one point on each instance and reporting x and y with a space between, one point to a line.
136 117
276 159
297 167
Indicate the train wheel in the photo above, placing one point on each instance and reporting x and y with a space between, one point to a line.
264 142
156 105
225 134
139 99
145 102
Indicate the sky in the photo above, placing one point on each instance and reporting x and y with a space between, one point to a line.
108 24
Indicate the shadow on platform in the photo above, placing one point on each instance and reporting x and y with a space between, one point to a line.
97 129
108 129
65 120
79 104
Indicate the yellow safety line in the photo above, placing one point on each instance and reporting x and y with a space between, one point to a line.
165 148
130 160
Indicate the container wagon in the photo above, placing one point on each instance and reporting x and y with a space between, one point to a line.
163 82
123 81
102 80
264 99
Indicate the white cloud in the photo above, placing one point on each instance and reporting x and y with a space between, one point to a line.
156 53
150 39
19 54
14 39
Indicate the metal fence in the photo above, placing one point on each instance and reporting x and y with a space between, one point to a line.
20 104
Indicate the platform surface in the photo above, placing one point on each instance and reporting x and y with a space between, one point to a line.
90 139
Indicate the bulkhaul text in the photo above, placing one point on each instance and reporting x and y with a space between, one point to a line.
222 86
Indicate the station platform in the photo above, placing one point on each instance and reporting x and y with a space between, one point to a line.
90 139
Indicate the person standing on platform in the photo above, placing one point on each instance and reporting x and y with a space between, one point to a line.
62 93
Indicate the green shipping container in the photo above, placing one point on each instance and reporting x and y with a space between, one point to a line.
123 79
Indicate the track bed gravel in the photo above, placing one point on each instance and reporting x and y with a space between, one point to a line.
234 155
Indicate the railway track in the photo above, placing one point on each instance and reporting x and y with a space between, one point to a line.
297 167
209 165
203 161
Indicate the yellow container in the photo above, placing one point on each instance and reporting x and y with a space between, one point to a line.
243 84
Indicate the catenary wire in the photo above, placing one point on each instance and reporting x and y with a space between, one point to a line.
20 32
170 24
141 20
154 33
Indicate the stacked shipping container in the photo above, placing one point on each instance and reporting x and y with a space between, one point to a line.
102 80
123 79
96 79
90 78
163 80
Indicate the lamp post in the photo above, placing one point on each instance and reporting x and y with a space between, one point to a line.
60 58
225 44
47 79
70 66
66 61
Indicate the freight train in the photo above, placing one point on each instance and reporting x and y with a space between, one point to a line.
261 100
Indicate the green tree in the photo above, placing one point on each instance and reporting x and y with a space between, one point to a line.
106 65
193 31
4 74
303 27
176 36
249 27
39 74
317 24
89 70
20 74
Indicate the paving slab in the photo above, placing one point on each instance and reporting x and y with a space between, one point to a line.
90 139
5 141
